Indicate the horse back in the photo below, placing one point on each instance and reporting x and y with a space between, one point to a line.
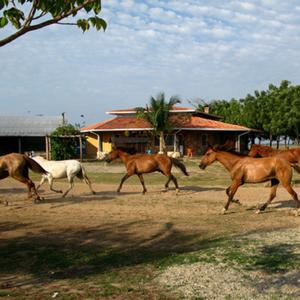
147 163
254 170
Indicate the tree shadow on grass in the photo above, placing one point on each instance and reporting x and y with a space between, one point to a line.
75 254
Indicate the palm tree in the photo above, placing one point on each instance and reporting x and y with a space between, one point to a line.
157 114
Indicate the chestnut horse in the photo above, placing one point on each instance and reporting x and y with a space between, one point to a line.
263 151
139 164
290 155
17 165
245 169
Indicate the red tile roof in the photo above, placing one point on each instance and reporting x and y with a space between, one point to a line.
133 110
195 122
179 122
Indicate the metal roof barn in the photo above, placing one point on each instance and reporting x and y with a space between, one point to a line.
26 133
33 126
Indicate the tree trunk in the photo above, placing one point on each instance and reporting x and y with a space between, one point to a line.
285 141
161 143
297 136
277 142
271 139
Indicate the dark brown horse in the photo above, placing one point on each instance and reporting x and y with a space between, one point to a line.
138 164
244 169
17 166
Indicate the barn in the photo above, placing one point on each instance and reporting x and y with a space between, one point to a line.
192 131
26 133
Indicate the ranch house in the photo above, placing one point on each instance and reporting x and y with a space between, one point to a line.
192 132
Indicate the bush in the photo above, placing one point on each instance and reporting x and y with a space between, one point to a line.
63 145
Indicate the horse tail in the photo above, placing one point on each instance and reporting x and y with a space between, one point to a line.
296 167
179 165
34 166
82 174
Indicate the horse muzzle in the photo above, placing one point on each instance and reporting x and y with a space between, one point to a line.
202 166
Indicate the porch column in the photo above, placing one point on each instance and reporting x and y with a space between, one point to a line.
175 142
47 147
100 147
19 145
80 148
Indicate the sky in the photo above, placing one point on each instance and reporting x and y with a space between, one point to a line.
195 49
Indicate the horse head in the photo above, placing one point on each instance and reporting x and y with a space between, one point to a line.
208 157
254 151
112 155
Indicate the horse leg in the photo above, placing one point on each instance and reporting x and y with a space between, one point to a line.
50 180
126 176
230 193
70 187
41 182
143 183
30 185
88 182
237 201
173 178
274 186
167 183
290 190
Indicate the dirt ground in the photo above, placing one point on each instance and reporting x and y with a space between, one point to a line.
139 228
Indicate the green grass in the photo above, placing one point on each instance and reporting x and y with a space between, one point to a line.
249 255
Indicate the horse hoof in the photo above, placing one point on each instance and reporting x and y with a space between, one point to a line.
236 201
223 212
295 212
258 211
177 191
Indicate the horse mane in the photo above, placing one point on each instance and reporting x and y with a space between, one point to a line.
230 149
130 151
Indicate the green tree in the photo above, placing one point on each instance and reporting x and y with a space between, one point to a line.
158 115
64 142
30 15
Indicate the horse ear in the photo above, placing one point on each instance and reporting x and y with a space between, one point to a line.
216 147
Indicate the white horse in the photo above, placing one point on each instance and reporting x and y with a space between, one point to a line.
62 169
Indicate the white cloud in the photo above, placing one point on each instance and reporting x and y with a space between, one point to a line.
195 48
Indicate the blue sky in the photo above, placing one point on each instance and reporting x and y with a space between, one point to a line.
194 49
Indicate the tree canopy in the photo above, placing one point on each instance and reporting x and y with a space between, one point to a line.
158 114
275 111
29 15
63 142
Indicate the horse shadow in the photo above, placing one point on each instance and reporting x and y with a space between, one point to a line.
284 204
12 190
196 189
274 205
75 199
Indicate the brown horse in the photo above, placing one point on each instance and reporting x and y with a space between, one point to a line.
291 155
139 164
17 165
244 169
